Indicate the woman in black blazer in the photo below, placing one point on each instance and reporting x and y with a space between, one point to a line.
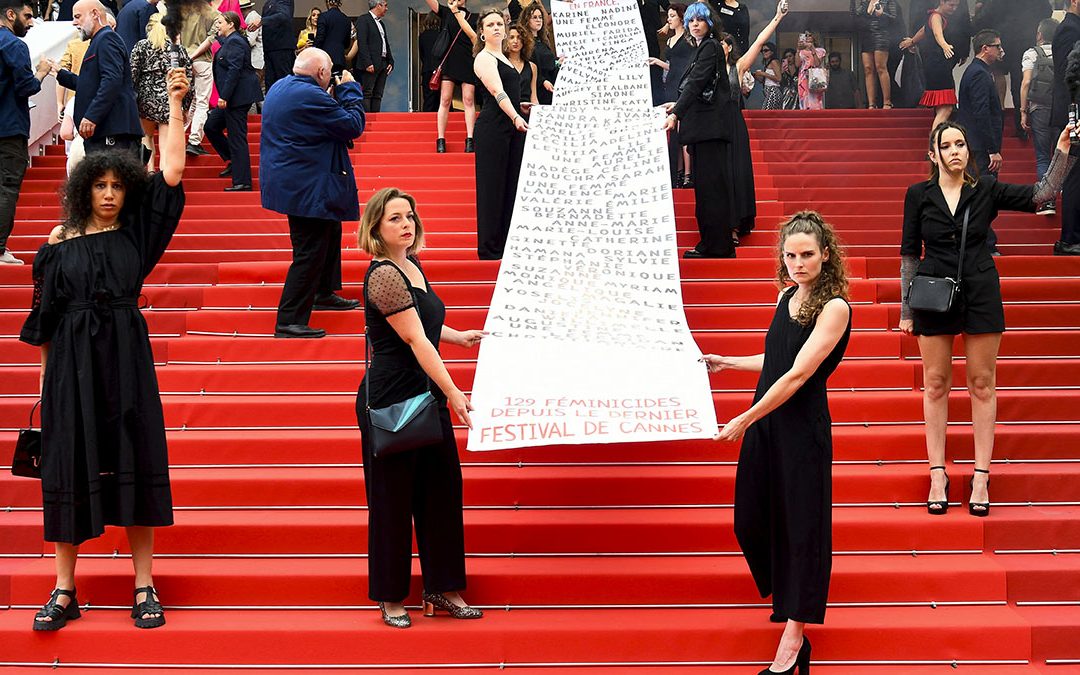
238 88
704 126
934 214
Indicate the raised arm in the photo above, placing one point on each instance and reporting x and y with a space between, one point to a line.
754 51
173 156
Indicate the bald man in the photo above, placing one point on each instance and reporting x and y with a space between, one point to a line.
308 125
105 115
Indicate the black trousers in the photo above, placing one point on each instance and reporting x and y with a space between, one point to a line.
315 269
982 161
14 159
373 84
713 197
498 162
1070 207
233 149
421 487
278 64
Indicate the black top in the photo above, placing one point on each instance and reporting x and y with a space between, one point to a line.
394 371
979 109
960 35
1068 34
426 45
546 69
652 20
736 21
525 82
490 111
679 56
701 121
458 65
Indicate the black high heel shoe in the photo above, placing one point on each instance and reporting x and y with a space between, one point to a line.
939 508
57 614
433 601
148 606
802 662
980 509
440 145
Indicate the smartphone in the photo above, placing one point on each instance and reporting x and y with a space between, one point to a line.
1074 120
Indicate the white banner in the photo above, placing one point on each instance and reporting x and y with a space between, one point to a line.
587 338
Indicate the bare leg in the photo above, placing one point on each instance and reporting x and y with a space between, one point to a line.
446 99
66 557
936 353
982 351
141 540
790 643
468 99
881 63
942 113
869 76
148 141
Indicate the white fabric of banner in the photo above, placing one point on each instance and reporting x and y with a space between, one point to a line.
587 337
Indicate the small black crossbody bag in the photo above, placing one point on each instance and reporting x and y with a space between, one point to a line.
936 294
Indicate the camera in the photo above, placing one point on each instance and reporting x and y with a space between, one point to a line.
1074 120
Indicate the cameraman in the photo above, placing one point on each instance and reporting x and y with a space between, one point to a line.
308 126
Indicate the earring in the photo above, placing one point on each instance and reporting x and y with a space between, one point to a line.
482 39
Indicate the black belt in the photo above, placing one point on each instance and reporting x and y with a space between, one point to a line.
104 303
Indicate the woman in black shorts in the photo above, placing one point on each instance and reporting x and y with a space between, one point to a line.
460 23
875 19
934 213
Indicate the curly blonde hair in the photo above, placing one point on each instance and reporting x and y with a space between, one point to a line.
832 282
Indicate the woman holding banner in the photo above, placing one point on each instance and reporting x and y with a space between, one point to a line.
783 485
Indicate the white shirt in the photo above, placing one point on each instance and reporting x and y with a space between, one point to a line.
382 33
1027 62
255 40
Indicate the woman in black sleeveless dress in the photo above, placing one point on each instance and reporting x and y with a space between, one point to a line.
404 321
783 485
537 22
460 24
499 122
104 458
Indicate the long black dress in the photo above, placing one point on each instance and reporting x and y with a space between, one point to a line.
422 485
547 68
744 204
679 55
937 70
104 459
498 159
783 484
458 66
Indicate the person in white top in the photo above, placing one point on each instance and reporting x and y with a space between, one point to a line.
254 38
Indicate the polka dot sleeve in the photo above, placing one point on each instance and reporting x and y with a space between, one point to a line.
388 290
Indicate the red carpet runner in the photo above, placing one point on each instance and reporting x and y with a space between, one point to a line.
596 560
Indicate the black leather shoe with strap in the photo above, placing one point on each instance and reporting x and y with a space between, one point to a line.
150 606
58 615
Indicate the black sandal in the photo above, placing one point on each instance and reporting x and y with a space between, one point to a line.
57 614
980 509
942 507
148 606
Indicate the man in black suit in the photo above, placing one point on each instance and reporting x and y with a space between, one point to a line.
1065 40
279 40
333 34
105 111
374 60
238 88
979 109
132 19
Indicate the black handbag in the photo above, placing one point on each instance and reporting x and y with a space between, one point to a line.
27 459
936 294
402 426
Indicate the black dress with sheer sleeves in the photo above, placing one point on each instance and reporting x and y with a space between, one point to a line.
104 457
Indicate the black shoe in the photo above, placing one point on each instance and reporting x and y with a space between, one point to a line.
942 507
440 145
195 150
296 330
694 253
802 662
226 172
468 145
1061 248
148 606
58 614
980 509
242 187
335 303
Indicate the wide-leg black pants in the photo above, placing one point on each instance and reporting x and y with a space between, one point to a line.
713 197
315 269
421 487
499 148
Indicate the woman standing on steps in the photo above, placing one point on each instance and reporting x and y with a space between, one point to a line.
460 24
404 321
498 144
934 213
783 485
939 58
104 459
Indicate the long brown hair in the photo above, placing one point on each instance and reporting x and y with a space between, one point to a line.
526 42
832 282
544 35
971 171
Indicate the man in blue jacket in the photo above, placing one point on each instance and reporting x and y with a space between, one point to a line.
132 19
308 125
238 88
105 111
18 82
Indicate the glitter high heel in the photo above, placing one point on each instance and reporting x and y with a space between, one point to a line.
433 601
399 621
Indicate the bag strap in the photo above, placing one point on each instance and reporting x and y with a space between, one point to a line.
963 243
32 410
367 345
450 48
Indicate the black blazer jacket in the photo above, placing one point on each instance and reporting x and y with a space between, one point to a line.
978 108
237 82
700 121
104 93
369 45
333 35
1068 34
931 231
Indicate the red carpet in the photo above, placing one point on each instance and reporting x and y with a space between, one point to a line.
589 559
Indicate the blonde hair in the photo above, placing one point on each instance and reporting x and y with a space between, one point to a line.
832 282
155 31
367 237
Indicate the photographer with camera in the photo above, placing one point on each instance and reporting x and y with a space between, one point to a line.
309 122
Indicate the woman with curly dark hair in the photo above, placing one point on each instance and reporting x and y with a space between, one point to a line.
103 457
536 21
783 485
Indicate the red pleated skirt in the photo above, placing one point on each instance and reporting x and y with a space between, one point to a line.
936 97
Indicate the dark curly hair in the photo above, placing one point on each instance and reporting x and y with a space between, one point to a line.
75 193
832 282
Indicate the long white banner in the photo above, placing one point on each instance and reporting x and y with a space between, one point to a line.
587 338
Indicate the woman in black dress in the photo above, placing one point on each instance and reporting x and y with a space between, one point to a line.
705 126
460 23
519 48
498 150
104 460
678 52
430 28
783 485
536 21
934 213
939 57
735 21
404 321
875 20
